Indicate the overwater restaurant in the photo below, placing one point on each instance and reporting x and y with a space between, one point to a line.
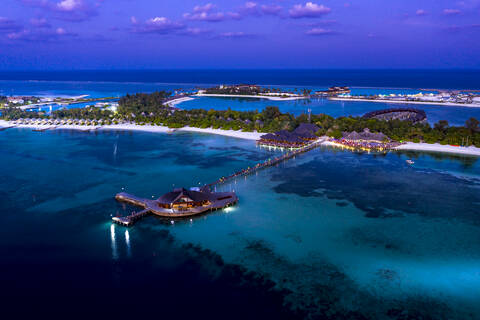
183 199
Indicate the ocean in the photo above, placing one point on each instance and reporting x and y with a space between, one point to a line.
99 84
328 235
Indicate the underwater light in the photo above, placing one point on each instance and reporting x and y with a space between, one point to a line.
229 209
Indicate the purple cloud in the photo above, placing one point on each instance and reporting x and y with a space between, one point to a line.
208 13
159 25
421 12
45 35
309 10
319 32
237 34
451 12
69 10
40 23
8 25
253 8
196 31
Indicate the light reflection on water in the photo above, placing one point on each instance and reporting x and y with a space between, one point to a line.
114 242
302 223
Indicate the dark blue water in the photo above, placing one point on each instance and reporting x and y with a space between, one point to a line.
461 79
330 234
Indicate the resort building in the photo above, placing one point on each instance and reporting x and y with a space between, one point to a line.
180 202
403 114
366 141
301 136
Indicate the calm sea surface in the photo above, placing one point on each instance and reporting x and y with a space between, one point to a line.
117 83
334 233
329 234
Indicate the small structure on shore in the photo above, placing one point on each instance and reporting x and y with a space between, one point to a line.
301 136
178 203
366 141
333 91
404 114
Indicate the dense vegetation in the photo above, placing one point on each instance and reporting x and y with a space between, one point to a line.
142 103
241 90
149 109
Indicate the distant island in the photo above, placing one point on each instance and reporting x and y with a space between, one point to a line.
442 97
150 111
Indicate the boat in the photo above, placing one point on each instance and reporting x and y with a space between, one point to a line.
410 161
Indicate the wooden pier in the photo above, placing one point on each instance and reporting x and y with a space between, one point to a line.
220 200
266 164
131 219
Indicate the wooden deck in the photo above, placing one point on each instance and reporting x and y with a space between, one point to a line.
223 199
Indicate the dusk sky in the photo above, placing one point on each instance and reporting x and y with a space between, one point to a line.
153 34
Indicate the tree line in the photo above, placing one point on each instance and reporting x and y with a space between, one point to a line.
149 109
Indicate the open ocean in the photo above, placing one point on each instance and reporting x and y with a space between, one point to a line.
328 235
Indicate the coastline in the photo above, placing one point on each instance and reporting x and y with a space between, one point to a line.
134 127
174 102
409 146
436 147
247 96
446 104
425 147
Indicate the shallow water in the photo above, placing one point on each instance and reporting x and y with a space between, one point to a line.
454 115
340 234
98 89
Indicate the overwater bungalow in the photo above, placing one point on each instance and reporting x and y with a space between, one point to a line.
301 136
182 202
367 141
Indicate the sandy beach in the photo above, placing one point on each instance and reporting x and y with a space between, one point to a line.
172 103
425 147
134 127
446 104
436 147
248 96
472 151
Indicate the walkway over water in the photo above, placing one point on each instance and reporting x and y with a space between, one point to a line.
220 200
268 163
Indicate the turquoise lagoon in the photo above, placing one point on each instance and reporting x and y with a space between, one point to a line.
332 234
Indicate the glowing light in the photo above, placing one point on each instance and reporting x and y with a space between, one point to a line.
127 241
114 243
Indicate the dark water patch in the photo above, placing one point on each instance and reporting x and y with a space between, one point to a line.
465 161
330 294
64 262
341 204
381 188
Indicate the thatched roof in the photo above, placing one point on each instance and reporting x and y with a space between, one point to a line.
178 193
365 135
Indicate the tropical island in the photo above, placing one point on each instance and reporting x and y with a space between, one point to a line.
149 112
34 102
440 97
252 91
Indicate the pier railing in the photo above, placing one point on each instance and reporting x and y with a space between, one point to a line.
265 164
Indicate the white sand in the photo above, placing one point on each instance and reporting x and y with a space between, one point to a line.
230 133
447 104
473 151
248 96
172 103
134 127
436 147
